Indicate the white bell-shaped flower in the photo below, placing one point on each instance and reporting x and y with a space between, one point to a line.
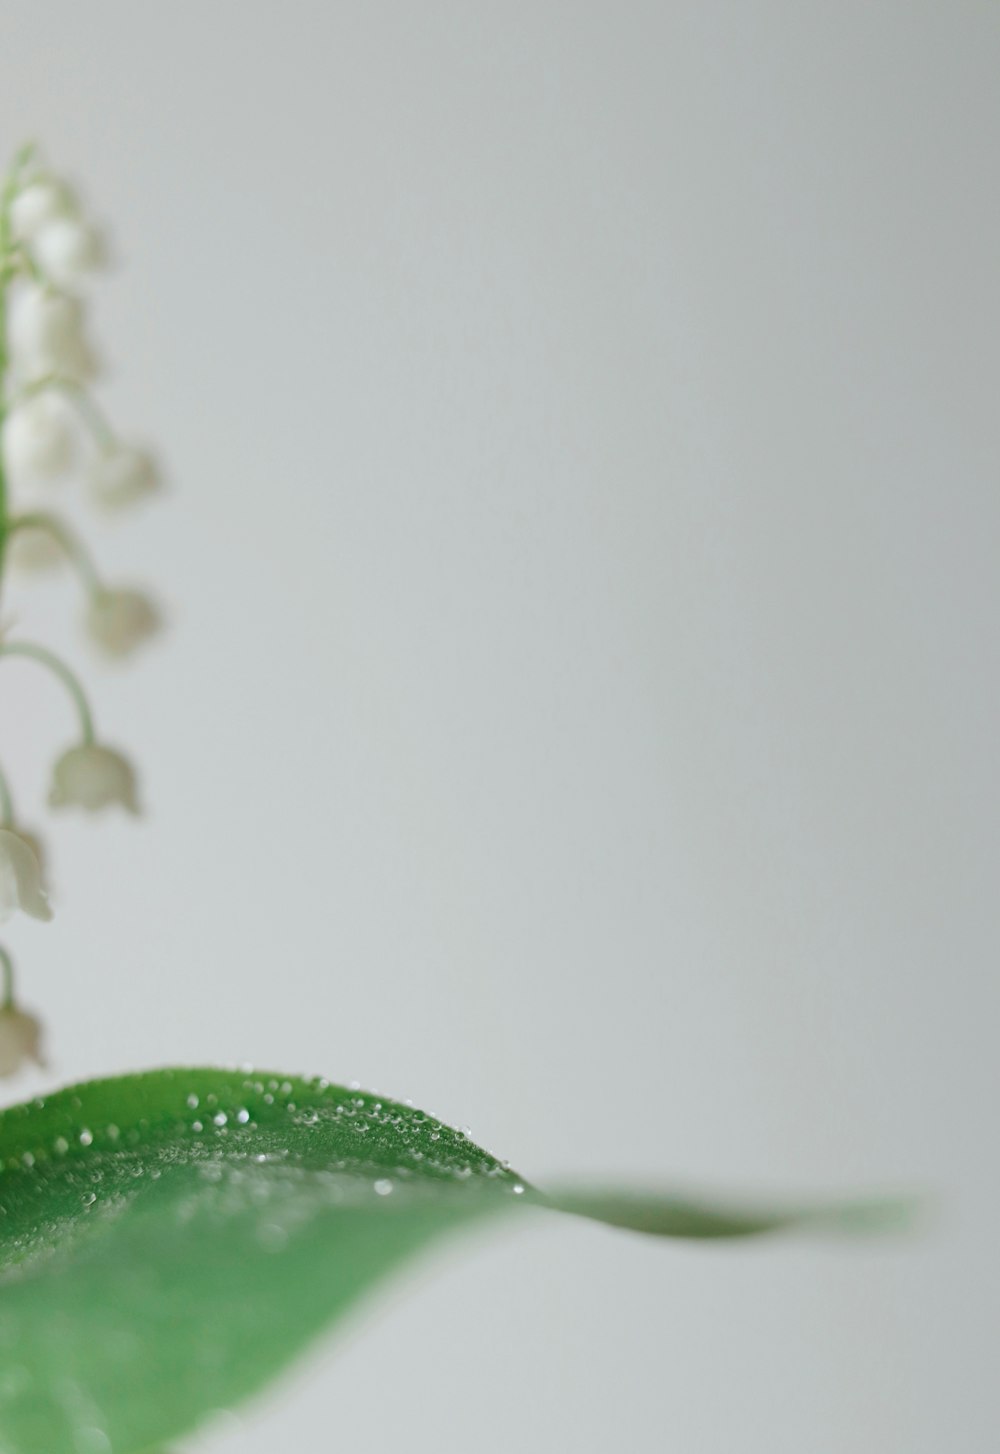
121 620
93 777
20 1039
68 251
37 846
46 335
32 550
20 879
40 203
121 475
38 438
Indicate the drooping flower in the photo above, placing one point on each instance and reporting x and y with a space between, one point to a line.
121 620
68 251
37 846
38 438
20 879
32 549
46 335
93 777
38 204
20 1039
121 475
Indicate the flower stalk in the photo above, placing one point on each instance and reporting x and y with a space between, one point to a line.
61 671
48 418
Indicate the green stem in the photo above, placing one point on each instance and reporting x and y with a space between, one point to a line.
6 980
67 539
59 669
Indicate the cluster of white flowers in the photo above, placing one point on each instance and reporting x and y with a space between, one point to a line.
51 427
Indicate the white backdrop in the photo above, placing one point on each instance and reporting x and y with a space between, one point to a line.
579 710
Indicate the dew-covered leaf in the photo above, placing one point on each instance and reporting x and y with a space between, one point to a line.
170 1241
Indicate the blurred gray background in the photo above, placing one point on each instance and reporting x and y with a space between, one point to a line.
579 711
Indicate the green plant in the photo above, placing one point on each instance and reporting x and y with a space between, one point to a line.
156 1229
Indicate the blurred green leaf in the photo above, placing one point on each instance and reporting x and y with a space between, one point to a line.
170 1241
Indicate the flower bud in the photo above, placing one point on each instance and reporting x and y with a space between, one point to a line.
121 475
93 777
121 620
20 1040
37 438
46 335
36 205
20 879
68 251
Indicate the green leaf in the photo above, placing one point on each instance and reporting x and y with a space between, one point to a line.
170 1241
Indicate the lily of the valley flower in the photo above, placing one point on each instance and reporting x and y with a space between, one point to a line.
49 249
38 438
121 620
46 336
68 251
32 549
93 777
36 205
20 879
121 475
20 1039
